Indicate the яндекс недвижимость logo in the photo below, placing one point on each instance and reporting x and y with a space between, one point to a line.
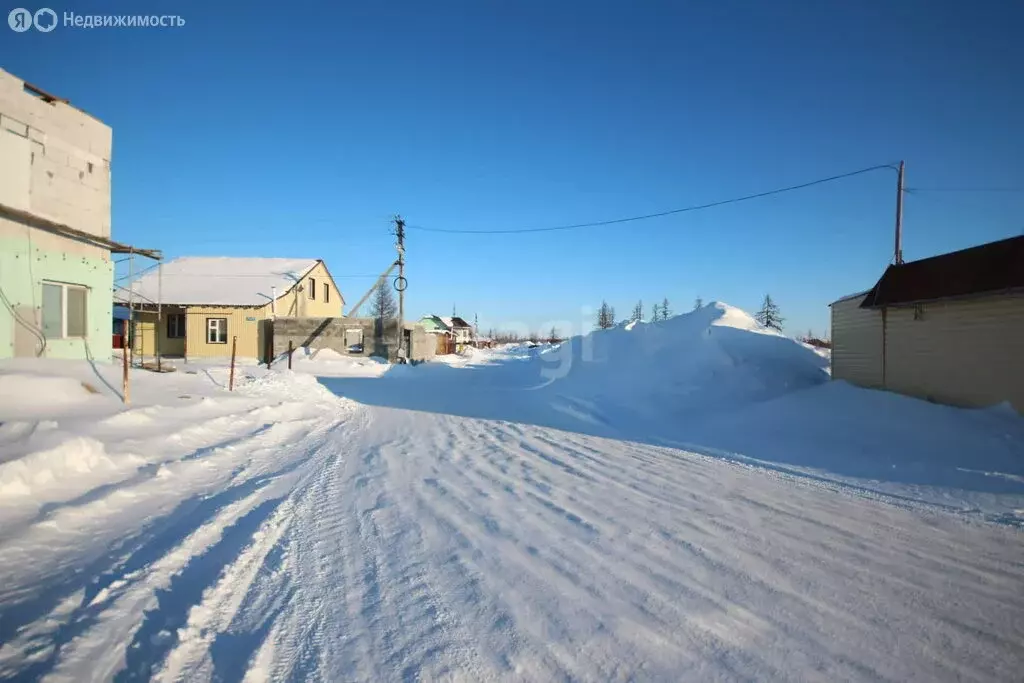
46 19
21 19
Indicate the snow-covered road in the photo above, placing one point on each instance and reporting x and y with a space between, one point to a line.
368 543
688 501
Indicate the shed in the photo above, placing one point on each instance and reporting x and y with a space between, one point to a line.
948 328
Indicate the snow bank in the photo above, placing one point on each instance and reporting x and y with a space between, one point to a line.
968 460
620 382
472 356
23 394
715 357
75 465
330 363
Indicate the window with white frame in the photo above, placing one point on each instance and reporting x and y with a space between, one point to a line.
64 310
216 330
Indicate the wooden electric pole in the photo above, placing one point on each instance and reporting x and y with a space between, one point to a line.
898 251
400 283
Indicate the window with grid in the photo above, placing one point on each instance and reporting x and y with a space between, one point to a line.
216 330
176 326
64 310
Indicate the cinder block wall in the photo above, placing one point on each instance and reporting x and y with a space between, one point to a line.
329 333
55 164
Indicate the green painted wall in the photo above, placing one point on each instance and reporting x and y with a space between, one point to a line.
429 322
22 272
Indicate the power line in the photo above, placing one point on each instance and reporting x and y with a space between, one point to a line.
685 209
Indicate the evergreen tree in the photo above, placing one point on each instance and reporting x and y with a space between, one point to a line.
654 313
605 316
665 312
638 312
769 315
699 303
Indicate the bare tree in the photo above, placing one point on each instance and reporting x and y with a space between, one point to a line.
382 304
654 313
605 316
553 337
769 315
507 337
698 303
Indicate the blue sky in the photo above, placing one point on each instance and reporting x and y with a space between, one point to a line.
299 129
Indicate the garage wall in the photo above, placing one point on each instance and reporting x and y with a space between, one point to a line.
966 353
856 343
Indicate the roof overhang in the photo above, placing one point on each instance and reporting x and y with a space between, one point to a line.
37 221
1014 291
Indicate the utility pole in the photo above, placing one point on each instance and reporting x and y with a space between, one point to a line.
159 312
898 251
400 282
131 307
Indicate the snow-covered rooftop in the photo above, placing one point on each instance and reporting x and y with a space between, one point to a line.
455 321
219 280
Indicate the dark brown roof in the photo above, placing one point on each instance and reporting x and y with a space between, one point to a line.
988 268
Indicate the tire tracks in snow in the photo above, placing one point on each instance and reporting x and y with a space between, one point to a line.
241 484
498 551
366 605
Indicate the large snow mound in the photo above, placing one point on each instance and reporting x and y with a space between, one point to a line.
711 358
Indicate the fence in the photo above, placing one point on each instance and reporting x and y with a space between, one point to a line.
359 337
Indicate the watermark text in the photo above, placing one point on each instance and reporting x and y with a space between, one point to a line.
46 20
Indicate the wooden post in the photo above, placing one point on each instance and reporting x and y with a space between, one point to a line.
159 312
290 349
269 344
231 376
124 365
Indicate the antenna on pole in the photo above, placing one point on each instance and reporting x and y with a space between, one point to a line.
898 250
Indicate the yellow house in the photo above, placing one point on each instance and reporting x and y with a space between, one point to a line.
195 307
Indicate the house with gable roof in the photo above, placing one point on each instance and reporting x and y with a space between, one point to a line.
193 307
